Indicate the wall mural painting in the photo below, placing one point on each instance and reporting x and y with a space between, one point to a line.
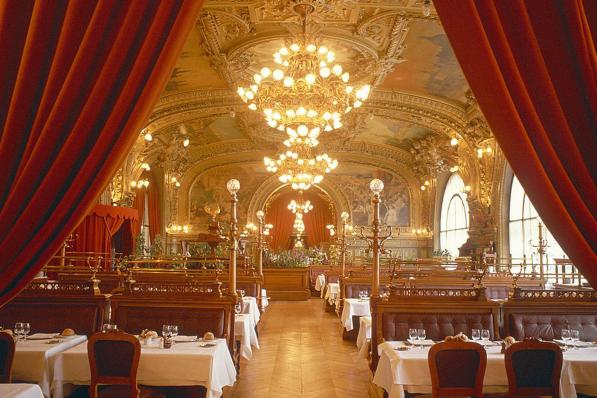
354 181
209 190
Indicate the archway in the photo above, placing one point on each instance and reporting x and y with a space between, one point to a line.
277 213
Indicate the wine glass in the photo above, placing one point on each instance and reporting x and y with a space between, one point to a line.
565 336
365 294
166 331
242 293
485 335
26 330
412 336
19 330
476 334
421 335
574 337
174 331
238 308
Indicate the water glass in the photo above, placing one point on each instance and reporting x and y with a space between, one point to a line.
365 294
167 331
174 330
242 293
19 326
485 334
565 336
476 334
421 335
574 336
412 336
238 308
26 330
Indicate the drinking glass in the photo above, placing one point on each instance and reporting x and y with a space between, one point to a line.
485 334
174 331
574 336
476 334
412 336
360 294
238 308
365 294
421 335
19 330
166 331
565 336
242 293
27 329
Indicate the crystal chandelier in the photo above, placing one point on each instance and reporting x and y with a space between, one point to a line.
300 207
307 94
299 225
300 168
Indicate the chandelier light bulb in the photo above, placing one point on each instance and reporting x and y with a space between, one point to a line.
344 216
325 72
186 142
454 141
310 78
148 137
295 47
288 81
265 72
278 74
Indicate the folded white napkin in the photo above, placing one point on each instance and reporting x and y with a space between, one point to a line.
576 343
426 342
43 336
185 338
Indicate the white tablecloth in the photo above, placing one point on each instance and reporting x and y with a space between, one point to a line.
20 391
364 336
244 331
332 290
320 284
185 364
408 370
353 307
250 307
34 359
264 300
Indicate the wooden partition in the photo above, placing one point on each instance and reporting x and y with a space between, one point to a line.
287 283
51 306
195 308
441 312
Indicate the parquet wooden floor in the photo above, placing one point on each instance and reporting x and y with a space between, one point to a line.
302 355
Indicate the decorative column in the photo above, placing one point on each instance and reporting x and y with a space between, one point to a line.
233 187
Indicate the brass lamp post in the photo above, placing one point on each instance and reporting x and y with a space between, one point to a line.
233 186
344 216
260 242
376 241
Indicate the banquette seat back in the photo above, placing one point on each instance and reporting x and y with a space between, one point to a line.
195 312
546 319
50 307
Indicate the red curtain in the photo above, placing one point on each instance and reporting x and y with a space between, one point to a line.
533 68
94 234
315 221
78 80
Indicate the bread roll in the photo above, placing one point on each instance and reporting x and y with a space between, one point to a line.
67 332
208 336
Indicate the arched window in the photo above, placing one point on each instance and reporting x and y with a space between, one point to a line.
524 231
454 216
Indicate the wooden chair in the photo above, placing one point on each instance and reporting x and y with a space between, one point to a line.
464 379
113 361
7 354
533 368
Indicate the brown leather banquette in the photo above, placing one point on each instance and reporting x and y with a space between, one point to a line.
50 307
546 319
441 312
192 310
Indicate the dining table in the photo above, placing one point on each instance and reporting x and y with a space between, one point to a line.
403 367
245 334
250 307
354 307
20 390
189 362
34 358
332 291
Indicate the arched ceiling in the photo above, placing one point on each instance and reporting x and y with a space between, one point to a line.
420 98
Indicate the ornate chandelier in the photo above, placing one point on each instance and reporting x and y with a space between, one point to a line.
307 94
299 225
300 206
299 168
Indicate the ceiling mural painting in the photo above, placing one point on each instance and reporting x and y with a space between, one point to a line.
419 102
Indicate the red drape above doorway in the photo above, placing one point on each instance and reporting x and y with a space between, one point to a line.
532 66
94 234
315 221
78 80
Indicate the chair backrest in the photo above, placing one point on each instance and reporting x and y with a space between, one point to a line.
113 360
464 379
7 353
534 368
